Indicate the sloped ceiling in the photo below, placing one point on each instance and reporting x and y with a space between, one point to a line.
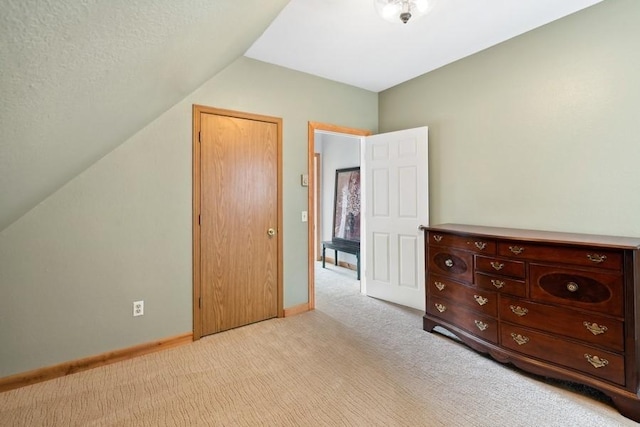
347 41
79 77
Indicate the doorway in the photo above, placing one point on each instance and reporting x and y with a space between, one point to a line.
313 194
237 219
395 166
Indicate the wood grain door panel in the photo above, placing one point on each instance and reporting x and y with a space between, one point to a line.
239 264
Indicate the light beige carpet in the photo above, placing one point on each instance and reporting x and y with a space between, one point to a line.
353 361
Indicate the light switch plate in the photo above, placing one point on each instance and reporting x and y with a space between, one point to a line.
304 180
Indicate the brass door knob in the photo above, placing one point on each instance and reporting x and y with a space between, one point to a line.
271 232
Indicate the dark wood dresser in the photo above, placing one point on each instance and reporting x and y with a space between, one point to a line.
561 305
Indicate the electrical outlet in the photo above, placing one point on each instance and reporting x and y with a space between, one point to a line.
138 308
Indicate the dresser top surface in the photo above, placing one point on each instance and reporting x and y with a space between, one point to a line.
540 236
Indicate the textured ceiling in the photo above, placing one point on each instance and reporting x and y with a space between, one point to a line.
80 77
348 42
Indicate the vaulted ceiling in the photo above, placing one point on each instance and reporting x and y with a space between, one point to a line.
347 41
78 78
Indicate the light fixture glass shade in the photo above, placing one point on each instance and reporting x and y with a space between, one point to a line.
400 11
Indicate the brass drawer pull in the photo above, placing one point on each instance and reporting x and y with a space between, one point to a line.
517 250
497 283
441 307
594 328
481 325
437 238
480 299
572 286
518 311
497 265
597 258
520 339
448 262
480 245
596 361
439 285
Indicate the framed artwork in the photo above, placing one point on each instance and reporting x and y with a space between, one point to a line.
346 205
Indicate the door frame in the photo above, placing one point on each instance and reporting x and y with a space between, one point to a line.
317 208
196 198
312 128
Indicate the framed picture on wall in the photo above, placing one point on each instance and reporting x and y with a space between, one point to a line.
346 205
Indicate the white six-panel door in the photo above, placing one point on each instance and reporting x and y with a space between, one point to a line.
396 203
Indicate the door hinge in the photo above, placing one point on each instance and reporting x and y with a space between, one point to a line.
199 140
198 219
200 302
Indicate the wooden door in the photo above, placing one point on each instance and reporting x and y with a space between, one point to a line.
396 203
240 262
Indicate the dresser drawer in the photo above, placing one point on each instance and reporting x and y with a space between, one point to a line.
501 267
590 257
591 328
501 284
473 243
480 325
593 291
476 299
452 263
590 360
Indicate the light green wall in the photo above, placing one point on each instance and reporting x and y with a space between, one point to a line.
121 231
538 132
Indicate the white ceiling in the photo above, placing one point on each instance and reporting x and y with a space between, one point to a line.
78 78
346 41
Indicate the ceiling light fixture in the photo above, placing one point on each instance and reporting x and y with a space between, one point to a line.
403 10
